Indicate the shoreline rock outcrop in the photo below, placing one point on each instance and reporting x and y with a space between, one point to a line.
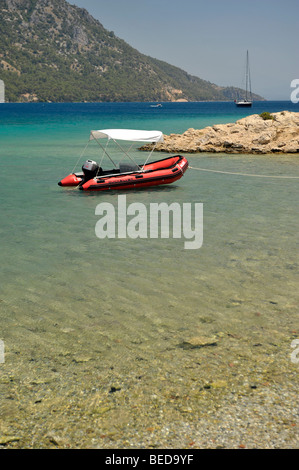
255 134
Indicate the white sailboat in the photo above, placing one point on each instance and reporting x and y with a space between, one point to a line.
247 101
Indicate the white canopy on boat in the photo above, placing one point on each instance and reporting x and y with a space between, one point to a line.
128 134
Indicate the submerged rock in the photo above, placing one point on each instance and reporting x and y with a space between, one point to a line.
198 342
4 440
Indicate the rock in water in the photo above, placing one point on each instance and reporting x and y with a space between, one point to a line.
251 135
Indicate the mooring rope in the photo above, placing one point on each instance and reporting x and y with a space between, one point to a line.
244 174
80 156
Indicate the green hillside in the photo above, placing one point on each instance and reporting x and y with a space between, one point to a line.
53 51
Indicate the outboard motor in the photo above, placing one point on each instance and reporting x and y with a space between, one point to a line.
90 170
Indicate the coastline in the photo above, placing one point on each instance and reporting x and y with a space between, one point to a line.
266 133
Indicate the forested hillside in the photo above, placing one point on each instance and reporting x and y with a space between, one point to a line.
53 51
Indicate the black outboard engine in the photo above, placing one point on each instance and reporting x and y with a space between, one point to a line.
90 169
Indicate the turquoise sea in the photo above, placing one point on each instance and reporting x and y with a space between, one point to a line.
105 339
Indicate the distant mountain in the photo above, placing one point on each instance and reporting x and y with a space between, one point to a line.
53 51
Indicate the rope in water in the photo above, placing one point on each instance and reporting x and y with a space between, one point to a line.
244 174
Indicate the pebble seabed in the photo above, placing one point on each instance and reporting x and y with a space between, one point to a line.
215 390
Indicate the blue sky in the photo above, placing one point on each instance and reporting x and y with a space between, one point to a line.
209 38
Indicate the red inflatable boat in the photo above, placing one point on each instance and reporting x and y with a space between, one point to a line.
127 176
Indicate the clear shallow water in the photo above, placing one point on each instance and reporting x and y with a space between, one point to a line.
121 307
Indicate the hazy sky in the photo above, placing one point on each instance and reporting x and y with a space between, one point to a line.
209 38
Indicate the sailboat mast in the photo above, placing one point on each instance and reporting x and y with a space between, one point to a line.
246 76
248 79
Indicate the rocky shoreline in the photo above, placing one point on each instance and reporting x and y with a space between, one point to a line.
255 134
